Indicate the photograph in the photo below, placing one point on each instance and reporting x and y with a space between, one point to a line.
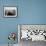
10 11
32 32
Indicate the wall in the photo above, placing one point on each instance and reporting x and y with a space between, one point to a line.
29 12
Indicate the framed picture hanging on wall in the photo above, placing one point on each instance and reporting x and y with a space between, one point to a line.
10 11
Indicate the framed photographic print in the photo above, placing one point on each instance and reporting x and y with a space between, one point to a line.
33 32
10 11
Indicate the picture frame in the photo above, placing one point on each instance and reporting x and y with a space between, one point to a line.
39 28
10 11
